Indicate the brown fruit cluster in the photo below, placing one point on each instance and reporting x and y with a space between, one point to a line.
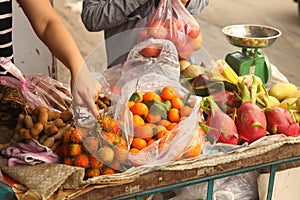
43 125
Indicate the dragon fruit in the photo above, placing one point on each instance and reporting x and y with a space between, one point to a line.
219 126
281 121
226 100
250 119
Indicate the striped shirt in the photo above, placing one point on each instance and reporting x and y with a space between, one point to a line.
6 48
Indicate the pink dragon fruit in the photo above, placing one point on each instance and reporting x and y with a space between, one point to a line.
226 100
281 121
250 119
219 126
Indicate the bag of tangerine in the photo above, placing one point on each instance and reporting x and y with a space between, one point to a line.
172 21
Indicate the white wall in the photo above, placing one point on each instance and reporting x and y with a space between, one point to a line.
30 54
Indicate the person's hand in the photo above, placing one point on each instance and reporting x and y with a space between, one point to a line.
85 90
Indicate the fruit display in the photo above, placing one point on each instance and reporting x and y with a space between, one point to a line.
250 111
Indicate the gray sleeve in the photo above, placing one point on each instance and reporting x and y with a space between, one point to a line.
196 6
98 15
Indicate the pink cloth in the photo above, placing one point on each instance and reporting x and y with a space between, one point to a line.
29 152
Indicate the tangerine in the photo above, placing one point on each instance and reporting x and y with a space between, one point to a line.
174 115
138 143
193 150
139 109
150 142
177 103
168 93
164 122
171 126
161 131
186 111
145 132
150 96
130 104
134 150
151 118
138 120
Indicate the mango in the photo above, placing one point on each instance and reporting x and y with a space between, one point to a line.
282 90
273 101
295 94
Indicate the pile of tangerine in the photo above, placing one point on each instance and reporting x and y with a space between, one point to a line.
150 127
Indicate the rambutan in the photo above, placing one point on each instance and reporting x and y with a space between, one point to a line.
106 154
91 144
75 149
81 161
92 172
95 163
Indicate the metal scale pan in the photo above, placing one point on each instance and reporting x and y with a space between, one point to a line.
251 35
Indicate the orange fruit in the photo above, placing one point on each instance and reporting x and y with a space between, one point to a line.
168 93
130 104
186 111
161 131
177 103
193 150
134 150
136 97
150 142
150 96
138 120
145 132
171 126
139 109
174 115
138 143
151 118
164 122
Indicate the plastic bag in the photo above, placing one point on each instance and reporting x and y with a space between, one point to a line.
241 186
172 21
37 90
153 74
115 125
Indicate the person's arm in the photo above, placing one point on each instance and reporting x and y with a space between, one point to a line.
195 6
98 15
52 32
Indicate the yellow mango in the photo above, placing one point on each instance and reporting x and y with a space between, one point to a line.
282 90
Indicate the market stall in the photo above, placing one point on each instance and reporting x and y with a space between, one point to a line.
171 119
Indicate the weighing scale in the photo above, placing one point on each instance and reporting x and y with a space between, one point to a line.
251 38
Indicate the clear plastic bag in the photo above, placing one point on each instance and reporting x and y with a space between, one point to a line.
144 74
241 186
153 74
37 90
172 21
